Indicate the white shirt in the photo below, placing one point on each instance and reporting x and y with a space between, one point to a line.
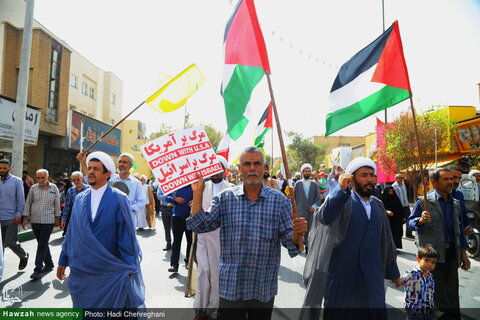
366 205
96 197
216 188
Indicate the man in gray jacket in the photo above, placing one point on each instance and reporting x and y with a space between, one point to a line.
307 196
441 226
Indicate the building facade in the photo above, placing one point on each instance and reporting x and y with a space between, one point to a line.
61 82
133 137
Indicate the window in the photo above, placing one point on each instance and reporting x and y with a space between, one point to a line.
73 81
55 63
84 88
92 92
113 99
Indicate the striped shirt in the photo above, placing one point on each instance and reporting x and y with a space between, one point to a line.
250 237
42 205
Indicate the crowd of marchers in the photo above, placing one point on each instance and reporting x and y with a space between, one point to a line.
350 227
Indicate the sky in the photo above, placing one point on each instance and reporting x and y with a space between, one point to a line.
307 42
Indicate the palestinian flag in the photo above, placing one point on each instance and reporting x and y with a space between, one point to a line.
375 79
246 62
264 125
223 148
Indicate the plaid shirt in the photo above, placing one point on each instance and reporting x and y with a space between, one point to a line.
70 200
42 205
250 237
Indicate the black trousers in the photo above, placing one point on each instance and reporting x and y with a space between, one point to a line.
42 233
245 309
167 223
446 285
179 227
10 239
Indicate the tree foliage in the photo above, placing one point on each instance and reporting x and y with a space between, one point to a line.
213 135
302 150
399 141
162 130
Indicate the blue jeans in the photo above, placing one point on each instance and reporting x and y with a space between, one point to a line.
42 233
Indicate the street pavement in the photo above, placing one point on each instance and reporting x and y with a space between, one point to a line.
166 290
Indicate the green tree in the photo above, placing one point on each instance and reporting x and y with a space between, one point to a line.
302 150
163 130
400 144
213 135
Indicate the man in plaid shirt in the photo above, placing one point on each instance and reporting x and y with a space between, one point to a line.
43 209
253 221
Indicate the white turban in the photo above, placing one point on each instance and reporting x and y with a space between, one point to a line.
222 160
306 165
472 173
104 158
143 177
298 173
359 162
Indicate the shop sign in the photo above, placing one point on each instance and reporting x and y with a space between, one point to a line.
84 131
468 136
7 122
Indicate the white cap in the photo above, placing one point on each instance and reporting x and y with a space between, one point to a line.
359 162
306 165
104 158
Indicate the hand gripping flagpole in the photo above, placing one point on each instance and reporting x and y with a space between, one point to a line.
284 157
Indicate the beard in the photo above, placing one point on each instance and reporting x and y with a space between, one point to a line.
250 183
266 175
306 176
216 178
360 189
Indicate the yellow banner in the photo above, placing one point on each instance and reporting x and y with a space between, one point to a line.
177 91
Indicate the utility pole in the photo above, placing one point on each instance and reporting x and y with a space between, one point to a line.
22 91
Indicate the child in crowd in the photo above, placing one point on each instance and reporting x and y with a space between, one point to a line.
419 285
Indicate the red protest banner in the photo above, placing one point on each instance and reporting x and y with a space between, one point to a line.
176 158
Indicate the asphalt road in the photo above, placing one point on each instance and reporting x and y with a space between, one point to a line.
166 290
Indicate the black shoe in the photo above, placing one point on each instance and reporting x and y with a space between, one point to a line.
410 237
168 247
185 260
23 262
173 269
35 275
47 269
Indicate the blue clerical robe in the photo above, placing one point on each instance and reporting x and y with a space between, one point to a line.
350 257
356 271
102 253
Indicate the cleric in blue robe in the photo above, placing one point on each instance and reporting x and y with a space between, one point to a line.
352 250
101 247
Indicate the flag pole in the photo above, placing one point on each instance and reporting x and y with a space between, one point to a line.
284 157
185 118
271 159
420 156
116 125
